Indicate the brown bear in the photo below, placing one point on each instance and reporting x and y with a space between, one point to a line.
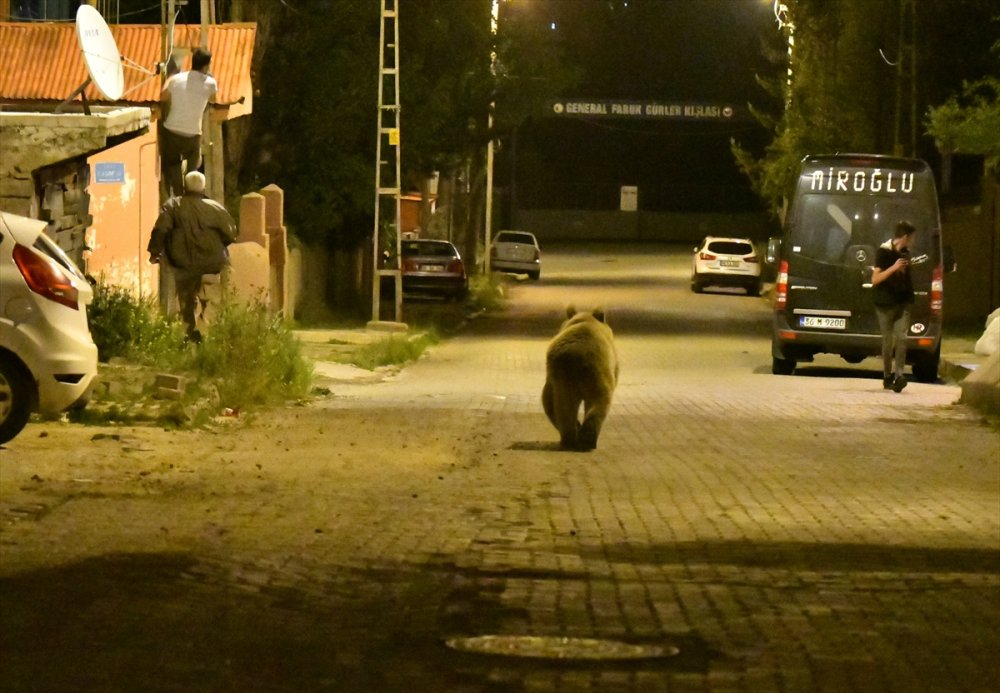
581 366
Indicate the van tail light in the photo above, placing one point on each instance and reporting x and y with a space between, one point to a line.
781 286
46 278
705 256
937 290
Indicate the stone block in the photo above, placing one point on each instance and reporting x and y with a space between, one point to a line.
169 386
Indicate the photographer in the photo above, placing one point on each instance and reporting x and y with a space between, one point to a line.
893 296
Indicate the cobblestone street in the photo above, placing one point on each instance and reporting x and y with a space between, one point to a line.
805 533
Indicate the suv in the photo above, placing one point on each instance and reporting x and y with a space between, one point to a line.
516 252
726 262
48 360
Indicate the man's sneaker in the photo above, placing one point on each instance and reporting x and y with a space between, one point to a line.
886 382
898 383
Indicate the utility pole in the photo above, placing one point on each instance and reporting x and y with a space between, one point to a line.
212 149
387 159
906 79
488 225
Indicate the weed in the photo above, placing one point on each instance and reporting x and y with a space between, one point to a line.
254 357
124 325
394 350
248 357
487 292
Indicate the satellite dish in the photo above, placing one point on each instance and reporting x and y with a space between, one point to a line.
100 52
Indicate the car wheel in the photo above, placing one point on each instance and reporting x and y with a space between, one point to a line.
16 394
781 366
696 286
534 276
925 365
754 289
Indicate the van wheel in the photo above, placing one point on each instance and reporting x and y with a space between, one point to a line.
16 397
781 366
925 366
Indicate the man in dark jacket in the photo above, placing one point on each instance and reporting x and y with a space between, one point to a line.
192 231
893 295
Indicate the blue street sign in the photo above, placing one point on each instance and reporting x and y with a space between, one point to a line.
109 172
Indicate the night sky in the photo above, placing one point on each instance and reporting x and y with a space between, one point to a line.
645 50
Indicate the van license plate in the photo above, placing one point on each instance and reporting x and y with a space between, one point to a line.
823 323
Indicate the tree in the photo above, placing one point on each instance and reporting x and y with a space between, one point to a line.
969 123
844 79
828 103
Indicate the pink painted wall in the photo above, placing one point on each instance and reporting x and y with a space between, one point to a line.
124 212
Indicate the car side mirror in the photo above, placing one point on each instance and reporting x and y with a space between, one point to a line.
773 250
950 265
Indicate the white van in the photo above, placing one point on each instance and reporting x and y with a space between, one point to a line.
843 208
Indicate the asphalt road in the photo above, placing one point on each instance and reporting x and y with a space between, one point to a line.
752 532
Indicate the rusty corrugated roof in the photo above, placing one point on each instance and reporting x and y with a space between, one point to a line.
42 61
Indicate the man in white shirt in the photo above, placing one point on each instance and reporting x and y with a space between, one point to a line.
185 96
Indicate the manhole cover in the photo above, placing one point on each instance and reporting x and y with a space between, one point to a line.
541 647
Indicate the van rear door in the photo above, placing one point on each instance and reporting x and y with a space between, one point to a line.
844 209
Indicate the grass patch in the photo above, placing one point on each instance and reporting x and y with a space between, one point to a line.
391 351
124 325
248 358
487 292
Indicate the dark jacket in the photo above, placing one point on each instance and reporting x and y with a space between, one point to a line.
193 231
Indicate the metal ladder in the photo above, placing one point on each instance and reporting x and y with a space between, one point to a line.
387 160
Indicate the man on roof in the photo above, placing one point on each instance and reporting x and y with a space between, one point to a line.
184 97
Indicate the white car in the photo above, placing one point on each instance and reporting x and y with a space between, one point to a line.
516 252
48 360
721 261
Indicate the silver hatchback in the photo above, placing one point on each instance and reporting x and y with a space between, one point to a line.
516 252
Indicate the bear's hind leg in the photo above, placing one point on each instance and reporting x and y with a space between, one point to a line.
547 403
568 423
593 419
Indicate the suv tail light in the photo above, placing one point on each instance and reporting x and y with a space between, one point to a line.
46 278
781 286
937 290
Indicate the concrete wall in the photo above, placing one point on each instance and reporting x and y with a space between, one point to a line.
45 173
123 213
970 292
563 225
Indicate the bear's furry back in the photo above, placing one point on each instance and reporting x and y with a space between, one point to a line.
584 349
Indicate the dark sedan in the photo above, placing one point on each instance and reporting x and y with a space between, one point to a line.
433 267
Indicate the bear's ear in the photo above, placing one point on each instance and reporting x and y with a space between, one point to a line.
570 311
599 314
